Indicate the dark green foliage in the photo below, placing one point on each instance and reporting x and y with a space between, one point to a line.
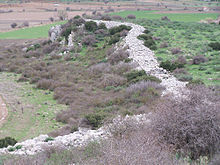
91 26
148 41
102 26
145 37
215 45
171 66
48 139
118 29
76 17
184 77
135 76
195 82
67 30
114 39
7 141
95 119
146 31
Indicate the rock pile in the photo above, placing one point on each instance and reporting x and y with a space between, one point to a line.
54 32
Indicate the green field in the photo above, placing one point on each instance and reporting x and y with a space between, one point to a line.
38 116
29 33
193 40
183 17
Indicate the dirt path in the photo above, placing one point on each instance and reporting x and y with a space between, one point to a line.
3 111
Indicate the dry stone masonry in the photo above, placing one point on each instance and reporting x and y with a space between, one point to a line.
146 60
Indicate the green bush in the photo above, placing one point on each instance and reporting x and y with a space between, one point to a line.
102 26
170 66
136 76
7 141
148 41
118 29
91 26
48 139
95 119
11 149
18 147
195 82
114 39
184 77
215 45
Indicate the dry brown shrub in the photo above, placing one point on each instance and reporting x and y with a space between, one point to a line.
199 59
117 56
112 80
191 125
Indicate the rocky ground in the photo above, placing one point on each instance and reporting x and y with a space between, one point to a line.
146 60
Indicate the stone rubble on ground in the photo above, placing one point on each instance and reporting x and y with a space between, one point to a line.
146 60
54 32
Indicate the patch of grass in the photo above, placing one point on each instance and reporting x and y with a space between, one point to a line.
30 32
32 114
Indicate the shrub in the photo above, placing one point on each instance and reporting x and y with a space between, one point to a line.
100 68
49 48
48 139
165 18
118 29
135 76
175 50
114 39
117 17
195 82
112 80
131 16
89 40
181 60
95 119
44 84
78 21
5 142
102 26
180 71
91 26
184 77
62 15
215 45
123 33
170 66
199 59
190 126
141 87
13 25
106 18
118 56
25 24
164 45
51 19
148 41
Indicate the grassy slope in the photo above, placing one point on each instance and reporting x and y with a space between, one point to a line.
192 39
185 17
39 107
29 33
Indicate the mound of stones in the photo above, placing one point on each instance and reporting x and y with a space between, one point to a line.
141 55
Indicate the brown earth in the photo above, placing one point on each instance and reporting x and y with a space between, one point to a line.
37 13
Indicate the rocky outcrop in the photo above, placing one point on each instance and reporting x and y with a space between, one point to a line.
54 32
